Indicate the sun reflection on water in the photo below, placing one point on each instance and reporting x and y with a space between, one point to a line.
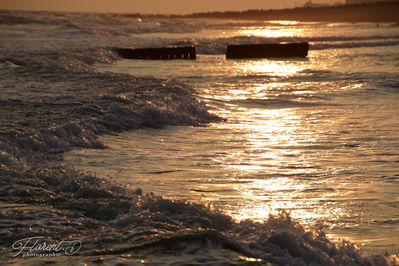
273 67
272 31
270 168
263 196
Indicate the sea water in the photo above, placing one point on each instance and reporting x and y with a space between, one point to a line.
317 137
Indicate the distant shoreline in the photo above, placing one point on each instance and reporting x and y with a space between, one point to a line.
373 12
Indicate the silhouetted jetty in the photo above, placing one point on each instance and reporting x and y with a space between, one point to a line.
272 50
164 53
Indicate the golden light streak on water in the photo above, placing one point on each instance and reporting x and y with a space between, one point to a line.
271 31
258 198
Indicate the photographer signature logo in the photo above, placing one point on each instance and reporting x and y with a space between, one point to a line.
38 247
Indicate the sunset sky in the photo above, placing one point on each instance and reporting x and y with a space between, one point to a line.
152 6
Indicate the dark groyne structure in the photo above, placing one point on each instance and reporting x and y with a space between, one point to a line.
163 53
272 50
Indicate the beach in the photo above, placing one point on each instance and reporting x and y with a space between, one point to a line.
209 161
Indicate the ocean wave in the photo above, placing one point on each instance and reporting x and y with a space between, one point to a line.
84 104
40 128
114 221
6 65
21 17
350 44
74 60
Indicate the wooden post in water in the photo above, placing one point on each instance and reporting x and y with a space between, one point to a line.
272 50
187 52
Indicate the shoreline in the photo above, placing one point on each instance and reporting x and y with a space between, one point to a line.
373 12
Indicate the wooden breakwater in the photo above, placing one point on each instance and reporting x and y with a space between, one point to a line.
164 53
272 50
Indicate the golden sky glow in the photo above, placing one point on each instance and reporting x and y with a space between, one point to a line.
150 6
